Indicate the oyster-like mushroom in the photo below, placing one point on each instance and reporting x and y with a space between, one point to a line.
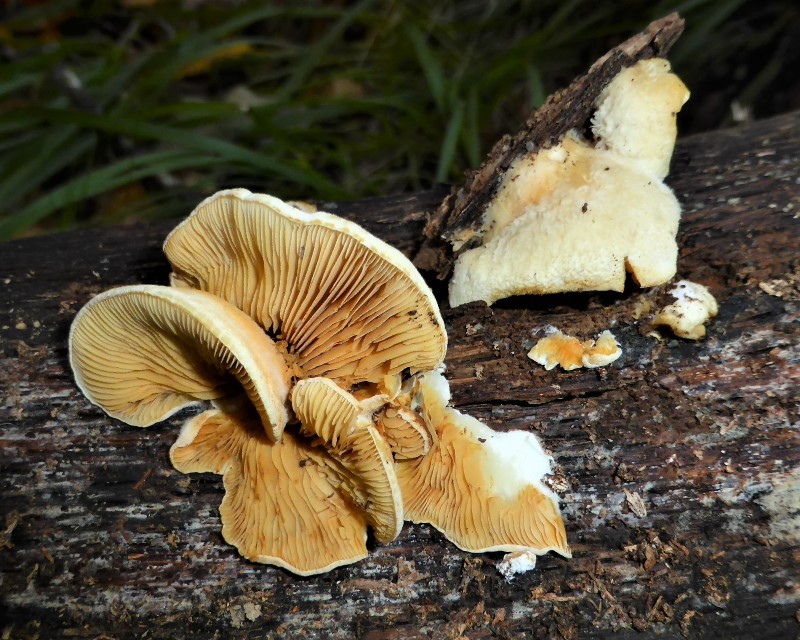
482 489
143 352
347 306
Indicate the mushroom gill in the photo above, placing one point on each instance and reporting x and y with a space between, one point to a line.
349 307
357 454
355 429
280 506
480 488
143 352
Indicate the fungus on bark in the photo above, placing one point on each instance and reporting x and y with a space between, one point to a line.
557 206
687 316
570 353
579 215
481 488
348 336
290 295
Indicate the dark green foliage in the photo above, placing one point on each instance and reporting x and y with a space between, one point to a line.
112 111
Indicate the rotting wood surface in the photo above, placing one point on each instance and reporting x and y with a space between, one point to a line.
678 465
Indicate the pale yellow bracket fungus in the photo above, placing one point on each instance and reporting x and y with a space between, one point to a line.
569 352
577 216
359 456
348 306
482 489
693 307
281 506
143 352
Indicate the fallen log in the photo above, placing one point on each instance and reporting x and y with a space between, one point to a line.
678 465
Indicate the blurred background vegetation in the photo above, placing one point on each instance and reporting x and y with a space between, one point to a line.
135 110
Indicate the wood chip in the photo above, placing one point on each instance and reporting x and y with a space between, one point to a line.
635 503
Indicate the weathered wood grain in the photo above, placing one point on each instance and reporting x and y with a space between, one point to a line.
102 538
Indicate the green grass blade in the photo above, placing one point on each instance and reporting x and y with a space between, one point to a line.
316 53
451 136
49 157
99 181
431 66
536 87
227 152
472 130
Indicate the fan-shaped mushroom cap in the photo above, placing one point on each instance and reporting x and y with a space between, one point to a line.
405 432
143 352
280 506
360 457
349 306
480 488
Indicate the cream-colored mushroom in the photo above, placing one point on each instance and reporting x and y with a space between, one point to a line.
350 323
143 352
579 215
347 306
281 505
482 489
357 454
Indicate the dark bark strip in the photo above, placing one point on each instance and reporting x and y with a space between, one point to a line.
101 538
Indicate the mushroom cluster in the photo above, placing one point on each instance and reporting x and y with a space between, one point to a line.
320 349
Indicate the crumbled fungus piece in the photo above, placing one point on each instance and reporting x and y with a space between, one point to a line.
579 215
693 307
515 563
569 352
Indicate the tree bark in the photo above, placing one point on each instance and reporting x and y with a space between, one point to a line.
678 465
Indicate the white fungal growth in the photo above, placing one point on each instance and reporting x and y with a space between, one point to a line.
579 215
515 563
693 307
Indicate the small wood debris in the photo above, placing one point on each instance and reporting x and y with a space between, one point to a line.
142 480
686 623
472 329
786 288
12 520
635 503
